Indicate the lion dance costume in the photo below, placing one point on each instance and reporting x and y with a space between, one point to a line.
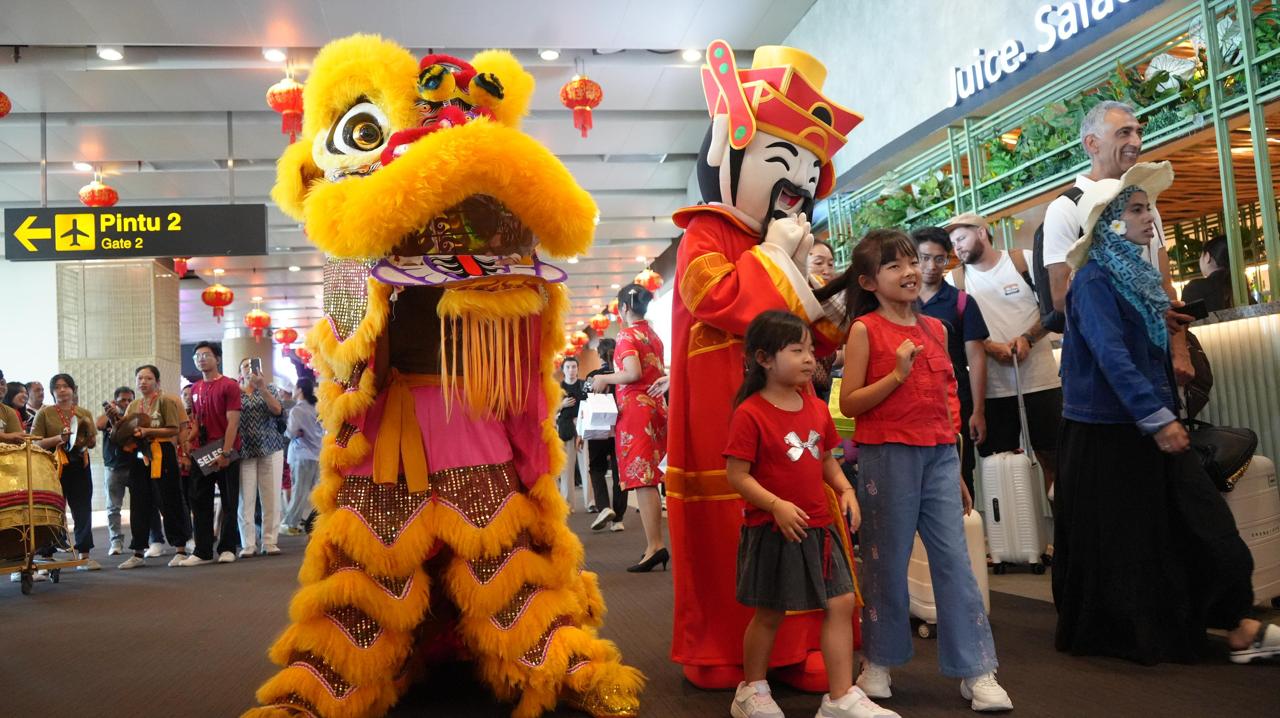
765 159
441 532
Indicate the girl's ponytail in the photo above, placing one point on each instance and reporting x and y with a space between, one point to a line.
769 333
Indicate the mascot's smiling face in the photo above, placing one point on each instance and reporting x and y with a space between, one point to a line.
421 168
768 179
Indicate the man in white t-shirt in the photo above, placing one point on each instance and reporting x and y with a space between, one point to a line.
1000 282
1112 136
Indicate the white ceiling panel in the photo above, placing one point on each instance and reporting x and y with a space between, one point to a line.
156 123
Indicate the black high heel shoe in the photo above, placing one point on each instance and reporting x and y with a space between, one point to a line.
659 557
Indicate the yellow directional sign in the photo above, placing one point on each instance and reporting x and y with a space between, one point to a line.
129 232
75 232
26 234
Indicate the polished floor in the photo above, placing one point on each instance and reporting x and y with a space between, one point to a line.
192 642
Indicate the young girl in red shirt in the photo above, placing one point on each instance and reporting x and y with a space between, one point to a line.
790 555
899 383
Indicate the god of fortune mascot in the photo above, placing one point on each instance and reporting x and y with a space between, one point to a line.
441 532
765 159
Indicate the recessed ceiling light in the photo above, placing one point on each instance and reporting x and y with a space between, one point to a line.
615 286
82 166
219 271
274 54
257 299
641 258
111 53
691 55
572 260
295 268
549 54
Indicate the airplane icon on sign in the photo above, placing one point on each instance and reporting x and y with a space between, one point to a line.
75 233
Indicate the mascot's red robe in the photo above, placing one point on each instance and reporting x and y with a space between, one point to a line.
725 277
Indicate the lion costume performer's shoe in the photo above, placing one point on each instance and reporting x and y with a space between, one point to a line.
441 532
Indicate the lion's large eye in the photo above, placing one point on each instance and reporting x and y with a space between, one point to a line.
362 129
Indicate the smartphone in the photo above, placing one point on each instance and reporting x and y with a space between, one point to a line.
255 365
1195 309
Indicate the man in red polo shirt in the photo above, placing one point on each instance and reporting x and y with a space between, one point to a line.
216 405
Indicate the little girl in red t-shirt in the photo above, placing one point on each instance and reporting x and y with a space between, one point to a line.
900 385
790 554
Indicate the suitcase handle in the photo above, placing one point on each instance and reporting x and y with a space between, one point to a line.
1024 431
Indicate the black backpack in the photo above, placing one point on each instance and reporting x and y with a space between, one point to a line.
1050 318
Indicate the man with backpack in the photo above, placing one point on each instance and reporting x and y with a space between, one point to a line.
1001 284
966 338
1112 137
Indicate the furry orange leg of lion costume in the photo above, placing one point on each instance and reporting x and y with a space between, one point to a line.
441 530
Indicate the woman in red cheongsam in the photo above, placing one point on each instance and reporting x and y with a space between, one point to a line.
641 430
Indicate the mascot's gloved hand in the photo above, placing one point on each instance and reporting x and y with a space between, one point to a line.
794 236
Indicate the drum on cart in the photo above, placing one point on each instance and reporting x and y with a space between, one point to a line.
32 511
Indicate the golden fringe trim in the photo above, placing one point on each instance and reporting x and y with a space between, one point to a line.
486 345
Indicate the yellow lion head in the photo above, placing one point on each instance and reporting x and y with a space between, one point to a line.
365 94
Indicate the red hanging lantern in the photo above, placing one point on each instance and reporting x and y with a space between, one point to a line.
285 97
613 308
285 336
217 296
303 355
97 194
579 339
259 321
5 104
649 279
581 94
572 351
599 323
180 266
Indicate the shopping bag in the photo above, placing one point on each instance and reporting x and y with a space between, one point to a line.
596 416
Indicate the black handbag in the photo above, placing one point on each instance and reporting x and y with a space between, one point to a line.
1223 451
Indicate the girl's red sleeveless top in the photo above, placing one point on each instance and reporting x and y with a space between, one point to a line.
916 413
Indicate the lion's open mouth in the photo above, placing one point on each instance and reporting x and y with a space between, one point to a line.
436 270
477 238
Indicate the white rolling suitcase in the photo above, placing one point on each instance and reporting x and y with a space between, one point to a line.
920 584
1012 505
1255 503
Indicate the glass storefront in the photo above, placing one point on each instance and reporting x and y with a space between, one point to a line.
1205 80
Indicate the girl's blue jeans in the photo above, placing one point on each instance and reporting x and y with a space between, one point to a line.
901 490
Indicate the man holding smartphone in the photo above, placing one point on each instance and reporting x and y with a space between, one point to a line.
216 403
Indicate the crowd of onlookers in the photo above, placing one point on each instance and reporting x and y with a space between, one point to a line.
213 474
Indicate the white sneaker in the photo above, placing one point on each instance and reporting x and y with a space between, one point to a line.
36 577
117 548
271 550
246 552
228 557
854 704
617 526
133 561
753 700
194 560
984 694
177 559
1266 644
89 565
602 521
874 681
155 550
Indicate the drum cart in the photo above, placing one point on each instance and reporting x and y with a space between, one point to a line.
28 561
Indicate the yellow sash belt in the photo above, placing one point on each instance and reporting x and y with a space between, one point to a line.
157 459
399 436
